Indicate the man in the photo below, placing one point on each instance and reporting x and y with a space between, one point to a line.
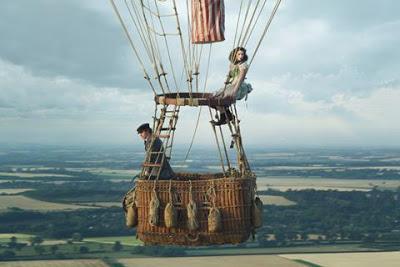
146 133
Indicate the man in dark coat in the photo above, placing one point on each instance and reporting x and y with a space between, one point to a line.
146 133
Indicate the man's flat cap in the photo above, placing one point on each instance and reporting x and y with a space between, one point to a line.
143 127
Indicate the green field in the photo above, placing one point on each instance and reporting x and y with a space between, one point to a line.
220 261
55 263
22 202
125 240
365 259
5 238
297 183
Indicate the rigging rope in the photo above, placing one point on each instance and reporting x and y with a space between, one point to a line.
153 52
146 76
200 109
167 46
138 28
249 24
278 2
255 23
185 63
163 73
244 23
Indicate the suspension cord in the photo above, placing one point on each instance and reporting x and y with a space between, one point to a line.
278 2
152 46
217 141
200 109
166 45
249 24
255 23
188 72
146 76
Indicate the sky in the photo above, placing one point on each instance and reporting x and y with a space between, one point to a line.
326 75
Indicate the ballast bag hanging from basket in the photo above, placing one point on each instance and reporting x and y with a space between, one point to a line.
129 206
170 214
214 220
153 208
257 212
191 210
208 21
214 215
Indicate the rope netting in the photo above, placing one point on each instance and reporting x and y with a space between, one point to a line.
160 31
160 35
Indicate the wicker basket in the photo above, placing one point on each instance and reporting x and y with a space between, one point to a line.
233 197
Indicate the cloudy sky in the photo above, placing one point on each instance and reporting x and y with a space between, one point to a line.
327 74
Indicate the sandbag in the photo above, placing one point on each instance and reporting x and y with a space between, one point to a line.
170 217
257 213
129 206
214 220
131 217
153 209
191 209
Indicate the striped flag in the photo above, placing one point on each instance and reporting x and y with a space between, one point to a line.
208 21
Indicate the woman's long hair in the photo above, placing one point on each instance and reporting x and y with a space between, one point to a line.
232 55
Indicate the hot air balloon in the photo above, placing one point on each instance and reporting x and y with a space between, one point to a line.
192 209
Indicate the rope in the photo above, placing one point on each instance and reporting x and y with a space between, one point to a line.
249 24
132 45
224 145
244 22
167 46
255 23
278 2
170 191
185 63
237 24
200 109
217 141
138 28
153 49
163 73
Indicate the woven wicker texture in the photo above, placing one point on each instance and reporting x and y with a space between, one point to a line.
233 198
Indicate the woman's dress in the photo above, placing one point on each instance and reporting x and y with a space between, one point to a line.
235 87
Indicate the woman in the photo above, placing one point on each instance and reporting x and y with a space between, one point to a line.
235 87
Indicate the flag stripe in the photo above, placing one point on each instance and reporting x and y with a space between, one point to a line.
208 21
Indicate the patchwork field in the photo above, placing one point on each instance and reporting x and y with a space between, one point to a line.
218 261
125 240
286 183
5 238
276 200
12 191
22 202
32 175
112 173
366 259
55 263
101 204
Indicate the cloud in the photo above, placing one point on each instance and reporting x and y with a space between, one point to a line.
25 95
66 38
323 75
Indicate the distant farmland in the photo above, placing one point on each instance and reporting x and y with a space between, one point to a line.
365 259
55 263
22 202
216 261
